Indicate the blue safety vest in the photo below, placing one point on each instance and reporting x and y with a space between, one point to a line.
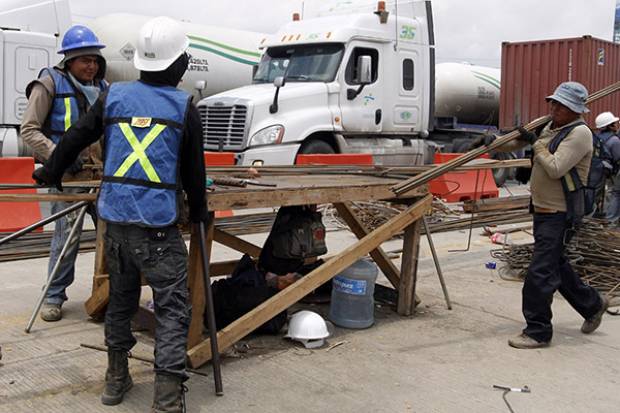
143 131
65 108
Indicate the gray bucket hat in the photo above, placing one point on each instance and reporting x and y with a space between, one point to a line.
72 54
573 95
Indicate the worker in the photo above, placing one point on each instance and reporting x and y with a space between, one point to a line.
152 149
562 154
56 100
608 125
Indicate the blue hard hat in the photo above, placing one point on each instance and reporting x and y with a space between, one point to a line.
79 37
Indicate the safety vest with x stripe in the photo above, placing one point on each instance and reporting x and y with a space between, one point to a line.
144 128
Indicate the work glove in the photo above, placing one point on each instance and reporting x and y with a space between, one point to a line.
42 177
75 167
526 136
482 140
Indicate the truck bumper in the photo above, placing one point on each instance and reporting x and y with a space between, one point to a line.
269 155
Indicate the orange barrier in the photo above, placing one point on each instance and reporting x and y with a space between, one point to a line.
220 159
335 159
463 185
15 216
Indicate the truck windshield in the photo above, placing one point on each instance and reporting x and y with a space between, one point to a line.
304 63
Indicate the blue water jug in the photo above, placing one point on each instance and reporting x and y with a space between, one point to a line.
352 303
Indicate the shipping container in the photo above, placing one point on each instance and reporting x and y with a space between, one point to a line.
532 70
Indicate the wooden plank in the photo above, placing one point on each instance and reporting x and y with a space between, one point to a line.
195 281
378 255
98 299
236 243
409 269
201 353
497 204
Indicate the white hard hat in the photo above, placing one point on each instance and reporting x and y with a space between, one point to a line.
309 328
605 119
161 41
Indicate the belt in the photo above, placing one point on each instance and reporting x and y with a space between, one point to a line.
541 210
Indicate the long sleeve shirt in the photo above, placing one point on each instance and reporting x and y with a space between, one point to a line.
192 168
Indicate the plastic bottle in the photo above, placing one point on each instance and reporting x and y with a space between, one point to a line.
352 302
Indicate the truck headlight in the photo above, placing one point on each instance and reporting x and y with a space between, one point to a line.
272 134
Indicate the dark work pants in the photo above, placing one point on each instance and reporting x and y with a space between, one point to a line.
161 256
550 271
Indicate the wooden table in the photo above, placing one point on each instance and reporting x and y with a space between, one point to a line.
336 189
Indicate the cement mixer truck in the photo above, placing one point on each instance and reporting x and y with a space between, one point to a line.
362 81
31 31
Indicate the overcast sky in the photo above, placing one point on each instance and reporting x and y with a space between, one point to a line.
465 30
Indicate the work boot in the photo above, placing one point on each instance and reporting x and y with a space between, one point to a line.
117 378
168 394
593 322
523 341
51 312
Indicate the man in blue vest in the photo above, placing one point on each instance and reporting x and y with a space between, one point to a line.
608 126
153 147
56 100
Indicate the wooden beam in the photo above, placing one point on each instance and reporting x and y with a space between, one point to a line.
232 333
409 269
195 281
99 297
378 255
236 243
497 204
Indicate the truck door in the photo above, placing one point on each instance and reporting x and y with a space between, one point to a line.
407 113
362 113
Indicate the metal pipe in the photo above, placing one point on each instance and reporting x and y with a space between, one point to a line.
215 352
436 261
70 240
44 221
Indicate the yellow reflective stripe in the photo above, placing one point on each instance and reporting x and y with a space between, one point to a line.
67 113
139 149
569 182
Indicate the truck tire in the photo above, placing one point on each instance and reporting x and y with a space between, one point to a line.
502 174
316 146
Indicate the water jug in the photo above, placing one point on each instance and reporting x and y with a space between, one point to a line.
352 303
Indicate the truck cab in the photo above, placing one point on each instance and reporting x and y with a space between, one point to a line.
340 83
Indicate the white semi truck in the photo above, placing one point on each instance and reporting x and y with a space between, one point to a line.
362 82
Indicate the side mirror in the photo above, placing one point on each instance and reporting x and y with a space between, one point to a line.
279 81
364 70
200 86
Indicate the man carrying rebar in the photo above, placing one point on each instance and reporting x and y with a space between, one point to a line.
56 100
153 149
561 161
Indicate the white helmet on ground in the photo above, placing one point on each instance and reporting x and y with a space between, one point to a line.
605 119
161 41
309 328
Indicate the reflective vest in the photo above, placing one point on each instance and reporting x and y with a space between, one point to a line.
66 109
143 132
575 192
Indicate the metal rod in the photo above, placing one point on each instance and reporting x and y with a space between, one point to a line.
70 240
133 356
436 261
215 352
44 221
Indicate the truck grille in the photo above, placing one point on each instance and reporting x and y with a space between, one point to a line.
224 126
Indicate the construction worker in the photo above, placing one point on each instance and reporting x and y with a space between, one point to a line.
562 156
56 100
608 125
153 148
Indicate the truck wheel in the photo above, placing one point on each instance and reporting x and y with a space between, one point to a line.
501 175
316 146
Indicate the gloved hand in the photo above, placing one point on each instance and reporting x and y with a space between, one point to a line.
42 177
482 140
75 167
526 136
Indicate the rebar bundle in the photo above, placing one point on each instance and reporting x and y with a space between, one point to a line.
594 253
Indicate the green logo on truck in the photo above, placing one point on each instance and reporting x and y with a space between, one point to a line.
407 32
